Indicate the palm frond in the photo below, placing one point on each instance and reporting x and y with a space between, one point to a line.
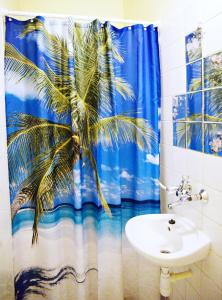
181 130
95 79
112 131
56 48
31 137
214 102
57 65
195 84
214 77
191 133
115 46
212 118
81 110
194 117
19 68
123 88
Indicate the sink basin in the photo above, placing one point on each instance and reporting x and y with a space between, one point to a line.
182 245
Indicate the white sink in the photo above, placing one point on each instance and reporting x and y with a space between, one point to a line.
182 245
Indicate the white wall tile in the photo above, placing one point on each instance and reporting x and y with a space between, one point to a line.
167 133
213 208
166 158
173 55
208 290
212 39
178 290
179 160
166 109
210 9
176 295
191 293
194 16
214 231
212 167
195 279
212 267
172 21
174 82
194 161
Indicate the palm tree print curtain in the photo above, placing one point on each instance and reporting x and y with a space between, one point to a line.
82 105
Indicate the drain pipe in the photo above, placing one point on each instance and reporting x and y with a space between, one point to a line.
165 286
166 278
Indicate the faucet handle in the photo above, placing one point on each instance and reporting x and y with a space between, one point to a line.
202 195
184 187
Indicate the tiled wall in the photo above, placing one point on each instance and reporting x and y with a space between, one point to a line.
205 170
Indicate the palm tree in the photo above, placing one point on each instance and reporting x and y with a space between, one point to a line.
81 83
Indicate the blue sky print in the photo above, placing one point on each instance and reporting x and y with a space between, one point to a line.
213 139
193 43
179 134
194 106
194 136
213 70
179 108
194 76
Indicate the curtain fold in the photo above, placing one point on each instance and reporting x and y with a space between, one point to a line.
83 110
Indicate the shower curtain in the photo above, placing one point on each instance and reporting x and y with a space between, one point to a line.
82 106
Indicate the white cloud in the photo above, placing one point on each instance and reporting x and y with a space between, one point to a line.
23 89
155 181
105 168
152 159
125 175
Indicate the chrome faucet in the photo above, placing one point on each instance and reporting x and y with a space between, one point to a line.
185 188
184 193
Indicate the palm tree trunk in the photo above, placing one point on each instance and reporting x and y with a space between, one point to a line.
21 198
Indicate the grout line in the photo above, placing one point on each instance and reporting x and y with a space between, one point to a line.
194 61
193 287
213 220
200 122
209 277
212 17
211 187
179 292
203 89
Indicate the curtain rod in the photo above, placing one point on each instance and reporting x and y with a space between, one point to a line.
5 12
